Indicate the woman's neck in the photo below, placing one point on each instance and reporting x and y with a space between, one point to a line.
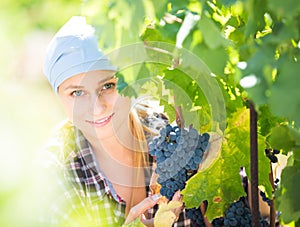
111 150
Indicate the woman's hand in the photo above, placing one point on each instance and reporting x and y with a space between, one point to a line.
177 197
139 209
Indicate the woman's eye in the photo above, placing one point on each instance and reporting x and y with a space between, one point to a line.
108 86
77 93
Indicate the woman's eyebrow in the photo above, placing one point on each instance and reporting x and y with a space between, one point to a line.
74 87
106 79
81 87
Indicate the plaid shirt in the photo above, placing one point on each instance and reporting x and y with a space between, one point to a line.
80 194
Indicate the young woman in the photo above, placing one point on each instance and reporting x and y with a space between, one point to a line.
101 153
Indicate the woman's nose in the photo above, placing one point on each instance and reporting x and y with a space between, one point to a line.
97 105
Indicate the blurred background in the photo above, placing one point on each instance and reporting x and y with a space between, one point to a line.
29 109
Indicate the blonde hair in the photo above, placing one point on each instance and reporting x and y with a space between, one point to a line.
139 130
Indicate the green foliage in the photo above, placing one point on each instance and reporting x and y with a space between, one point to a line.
279 132
195 106
119 22
267 121
220 183
252 49
283 103
288 194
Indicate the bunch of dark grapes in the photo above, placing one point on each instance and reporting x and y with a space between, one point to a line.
178 153
196 217
218 222
264 196
239 214
271 154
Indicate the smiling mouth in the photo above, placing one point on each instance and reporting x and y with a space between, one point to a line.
101 122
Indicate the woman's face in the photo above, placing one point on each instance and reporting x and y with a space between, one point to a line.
94 105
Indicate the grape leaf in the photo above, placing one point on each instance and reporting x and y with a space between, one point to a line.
188 95
143 72
123 87
282 32
256 65
288 197
291 141
211 34
168 108
227 3
165 217
211 56
160 8
240 139
266 120
151 34
285 99
225 187
276 141
256 12
168 32
213 152
287 8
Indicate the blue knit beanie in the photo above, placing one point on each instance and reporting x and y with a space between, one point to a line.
73 50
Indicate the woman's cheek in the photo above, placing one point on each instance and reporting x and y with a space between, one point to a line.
74 110
79 110
124 103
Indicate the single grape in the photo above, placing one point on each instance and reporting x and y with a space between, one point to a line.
273 158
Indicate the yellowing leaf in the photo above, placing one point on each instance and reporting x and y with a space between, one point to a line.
165 217
213 152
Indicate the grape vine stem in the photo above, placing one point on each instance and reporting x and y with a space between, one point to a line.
254 166
272 207
203 210
179 116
